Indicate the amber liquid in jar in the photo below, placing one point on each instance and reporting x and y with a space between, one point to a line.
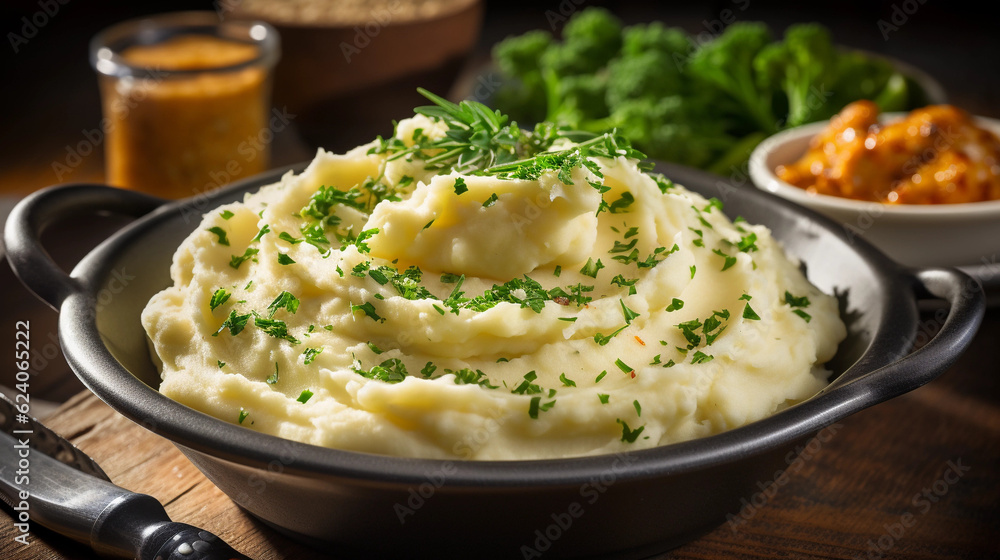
190 127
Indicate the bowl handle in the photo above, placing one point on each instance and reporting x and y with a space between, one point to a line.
967 307
28 220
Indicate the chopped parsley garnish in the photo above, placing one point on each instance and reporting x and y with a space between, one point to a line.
218 298
566 381
638 407
693 269
375 349
466 376
526 387
749 313
369 310
273 378
624 247
285 236
428 224
712 203
490 201
392 370
748 243
624 367
675 304
274 327
623 282
600 376
284 300
730 261
428 369
536 405
304 396
460 186
221 364
236 260
568 319
243 415
603 398
226 214
221 233
284 259
796 301
631 232
309 355
619 206
263 230
700 357
602 340
628 435
591 268
628 313
557 271
448 278
629 258
235 323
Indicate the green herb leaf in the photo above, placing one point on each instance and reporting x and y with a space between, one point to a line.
236 260
603 398
675 304
226 214
284 259
218 298
369 310
309 355
460 186
591 268
628 313
243 415
700 357
273 378
235 323
566 381
221 233
628 435
284 300
490 201
749 313
730 261
304 396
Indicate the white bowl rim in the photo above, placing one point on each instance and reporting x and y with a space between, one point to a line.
763 177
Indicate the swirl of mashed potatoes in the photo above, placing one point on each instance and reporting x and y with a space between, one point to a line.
369 304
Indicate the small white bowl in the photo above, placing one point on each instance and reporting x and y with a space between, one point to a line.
966 235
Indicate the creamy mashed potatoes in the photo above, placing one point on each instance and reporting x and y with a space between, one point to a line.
468 316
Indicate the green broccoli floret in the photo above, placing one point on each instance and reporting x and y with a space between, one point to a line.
673 128
650 75
522 91
804 67
518 56
581 98
860 76
726 63
595 34
655 36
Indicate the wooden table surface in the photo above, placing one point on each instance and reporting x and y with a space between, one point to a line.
915 477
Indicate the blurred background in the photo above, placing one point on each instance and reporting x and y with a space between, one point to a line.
51 101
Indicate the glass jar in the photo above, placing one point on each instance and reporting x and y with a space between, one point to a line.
185 100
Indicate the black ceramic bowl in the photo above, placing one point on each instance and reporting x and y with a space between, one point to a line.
626 506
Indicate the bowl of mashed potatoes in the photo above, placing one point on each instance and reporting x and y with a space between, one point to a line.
534 334
924 187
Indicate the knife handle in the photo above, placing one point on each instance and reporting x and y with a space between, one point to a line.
179 541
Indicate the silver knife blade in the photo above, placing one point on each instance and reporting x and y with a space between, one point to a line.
22 426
